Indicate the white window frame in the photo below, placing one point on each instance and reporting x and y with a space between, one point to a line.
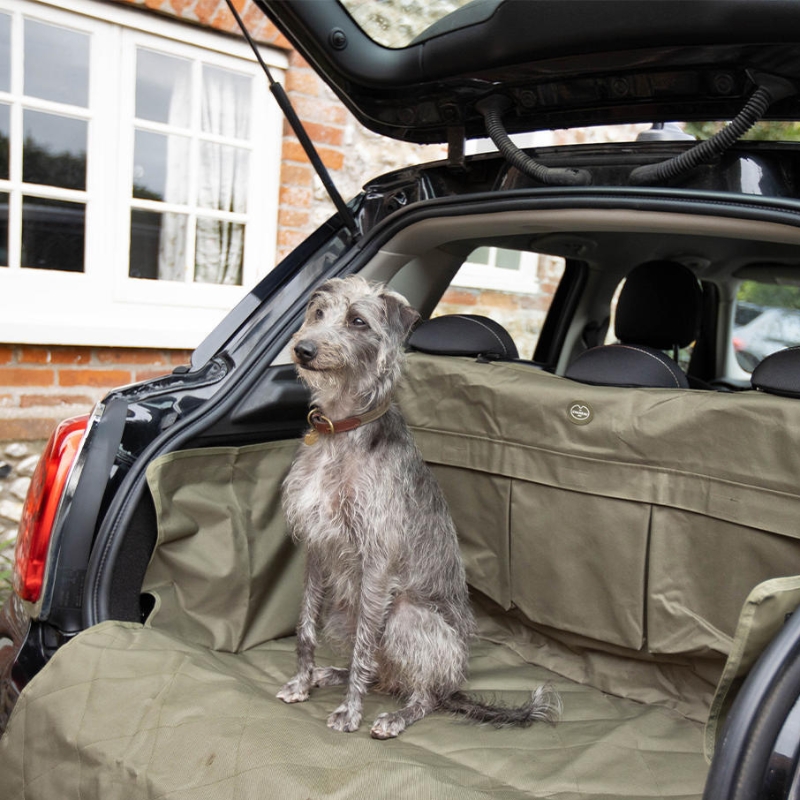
103 306
524 280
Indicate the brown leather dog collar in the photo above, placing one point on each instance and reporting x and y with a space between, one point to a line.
322 425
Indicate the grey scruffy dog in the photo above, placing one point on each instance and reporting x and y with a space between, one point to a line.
383 573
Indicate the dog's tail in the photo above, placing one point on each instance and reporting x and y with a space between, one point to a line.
544 705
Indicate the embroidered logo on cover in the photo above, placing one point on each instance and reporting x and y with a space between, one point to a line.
580 413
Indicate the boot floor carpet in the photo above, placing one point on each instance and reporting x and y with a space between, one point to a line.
132 712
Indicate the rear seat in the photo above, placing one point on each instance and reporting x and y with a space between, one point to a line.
627 365
464 335
614 520
779 373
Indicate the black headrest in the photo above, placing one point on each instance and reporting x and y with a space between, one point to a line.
463 335
779 373
659 306
627 365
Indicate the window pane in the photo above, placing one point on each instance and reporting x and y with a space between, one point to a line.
5 135
163 88
5 53
507 259
52 234
54 150
158 245
223 177
218 253
3 229
56 63
161 167
519 303
480 256
226 103
767 319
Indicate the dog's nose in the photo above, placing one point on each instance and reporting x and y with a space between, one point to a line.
305 351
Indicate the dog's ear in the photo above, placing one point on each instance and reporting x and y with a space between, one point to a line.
399 314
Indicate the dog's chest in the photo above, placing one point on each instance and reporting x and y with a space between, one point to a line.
324 490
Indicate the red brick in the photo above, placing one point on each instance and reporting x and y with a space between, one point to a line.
302 81
70 355
317 110
180 356
32 354
204 10
295 196
149 374
33 400
324 134
271 35
290 239
297 175
100 378
35 354
6 354
460 297
223 21
115 355
296 60
292 150
292 218
26 376
252 16
332 159
12 430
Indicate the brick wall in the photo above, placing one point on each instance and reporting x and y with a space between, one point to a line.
41 385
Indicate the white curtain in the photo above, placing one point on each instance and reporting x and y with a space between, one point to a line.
172 241
223 173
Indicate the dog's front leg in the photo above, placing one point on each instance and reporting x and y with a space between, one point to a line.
374 602
297 689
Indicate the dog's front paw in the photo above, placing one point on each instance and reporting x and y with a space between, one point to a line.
388 726
345 719
295 691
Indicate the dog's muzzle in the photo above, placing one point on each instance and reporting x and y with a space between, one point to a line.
305 351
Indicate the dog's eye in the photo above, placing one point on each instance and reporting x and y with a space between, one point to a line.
357 322
319 314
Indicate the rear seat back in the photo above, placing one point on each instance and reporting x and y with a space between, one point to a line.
464 335
779 373
637 518
627 365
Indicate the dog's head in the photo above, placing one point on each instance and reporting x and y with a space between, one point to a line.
351 341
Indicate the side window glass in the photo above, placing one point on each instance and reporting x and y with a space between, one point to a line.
512 287
766 319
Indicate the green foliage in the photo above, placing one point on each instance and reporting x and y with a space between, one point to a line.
769 294
6 569
761 131
41 165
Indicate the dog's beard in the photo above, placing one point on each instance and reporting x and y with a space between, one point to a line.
340 389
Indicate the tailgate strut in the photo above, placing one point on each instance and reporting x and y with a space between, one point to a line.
297 126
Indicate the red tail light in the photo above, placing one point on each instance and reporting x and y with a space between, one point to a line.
41 504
